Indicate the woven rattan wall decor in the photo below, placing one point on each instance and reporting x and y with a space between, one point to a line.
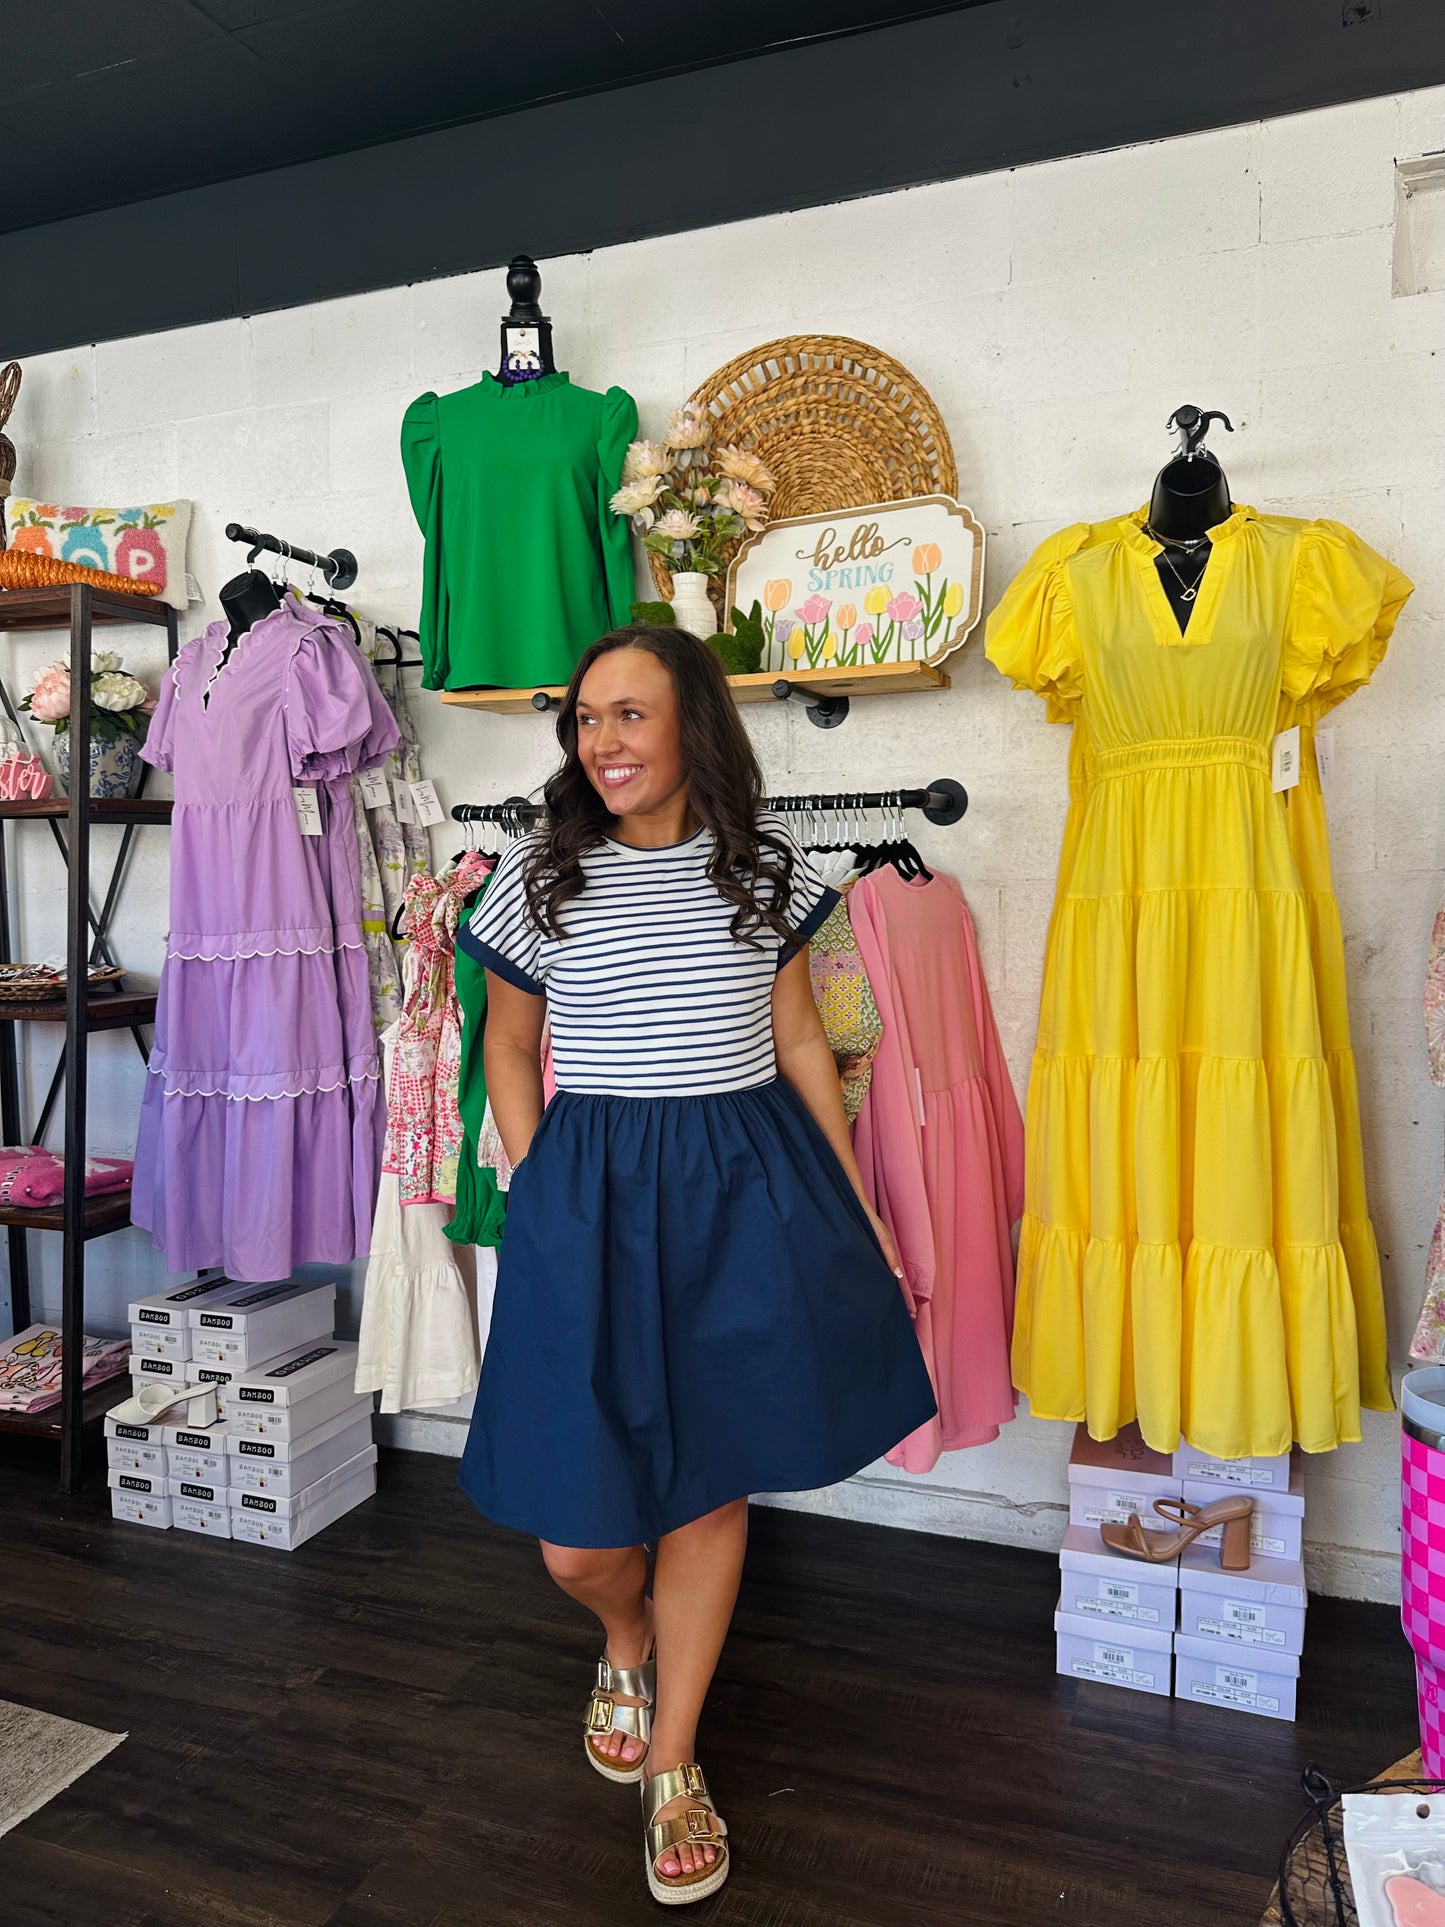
9 389
838 422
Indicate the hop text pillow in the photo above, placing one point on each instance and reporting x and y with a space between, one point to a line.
145 544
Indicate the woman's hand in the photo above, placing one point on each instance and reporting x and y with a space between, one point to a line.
885 1238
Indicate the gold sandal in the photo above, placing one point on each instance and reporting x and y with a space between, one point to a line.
699 1825
605 1716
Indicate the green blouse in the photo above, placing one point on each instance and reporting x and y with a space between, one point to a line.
525 563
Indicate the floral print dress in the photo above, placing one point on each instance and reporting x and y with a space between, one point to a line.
1428 1344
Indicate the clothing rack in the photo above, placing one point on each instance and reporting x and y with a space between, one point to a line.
944 801
337 565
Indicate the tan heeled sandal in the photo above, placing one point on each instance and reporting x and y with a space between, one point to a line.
1233 1513
605 1716
698 1825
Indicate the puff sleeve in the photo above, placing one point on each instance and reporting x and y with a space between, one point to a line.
1031 636
500 933
421 458
337 720
619 427
159 747
1344 603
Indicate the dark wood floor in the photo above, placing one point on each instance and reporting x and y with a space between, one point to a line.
382 1730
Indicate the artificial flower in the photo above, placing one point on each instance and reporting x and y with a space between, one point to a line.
103 661
745 501
686 429
117 691
744 466
926 558
676 526
50 698
777 593
645 459
634 497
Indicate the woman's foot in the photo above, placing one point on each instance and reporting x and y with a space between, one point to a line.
686 1837
609 1739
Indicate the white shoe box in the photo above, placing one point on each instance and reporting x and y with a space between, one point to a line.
197 1453
289 1466
145 1370
171 1308
1255 1475
199 1507
160 1341
1264 1607
141 1508
139 1485
1101 1585
1138 1658
125 1455
293 1394
264 1519
1276 1531
256 1325
1111 1479
1258 1681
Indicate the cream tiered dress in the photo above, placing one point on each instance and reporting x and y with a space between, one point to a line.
1195 1249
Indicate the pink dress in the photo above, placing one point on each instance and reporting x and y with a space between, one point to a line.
941 1145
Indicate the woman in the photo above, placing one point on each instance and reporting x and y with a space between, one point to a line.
695 1301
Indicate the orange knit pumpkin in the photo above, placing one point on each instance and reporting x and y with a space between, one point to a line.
21 570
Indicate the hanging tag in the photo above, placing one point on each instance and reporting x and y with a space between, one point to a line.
374 793
308 810
1325 758
428 809
1285 772
401 798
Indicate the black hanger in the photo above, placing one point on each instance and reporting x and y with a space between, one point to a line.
338 611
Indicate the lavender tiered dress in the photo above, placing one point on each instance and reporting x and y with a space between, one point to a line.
263 1118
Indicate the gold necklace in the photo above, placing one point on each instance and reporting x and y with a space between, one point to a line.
1187 590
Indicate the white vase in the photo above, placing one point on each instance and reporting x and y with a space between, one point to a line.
691 606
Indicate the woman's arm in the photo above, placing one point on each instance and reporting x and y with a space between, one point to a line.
513 1056
805 1060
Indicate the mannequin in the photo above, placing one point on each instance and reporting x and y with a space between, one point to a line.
245 600
1190 497
526 331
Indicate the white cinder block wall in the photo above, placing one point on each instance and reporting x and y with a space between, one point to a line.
1057 314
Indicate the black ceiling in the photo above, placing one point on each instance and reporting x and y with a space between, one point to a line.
108 101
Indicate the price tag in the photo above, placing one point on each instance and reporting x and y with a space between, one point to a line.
1285 771
308 810
401 799
374 792
428 809
1325 758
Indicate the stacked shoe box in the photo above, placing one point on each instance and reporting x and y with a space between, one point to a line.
1117 1616
285 1396
1241 1633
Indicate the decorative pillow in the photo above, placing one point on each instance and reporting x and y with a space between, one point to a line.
144 544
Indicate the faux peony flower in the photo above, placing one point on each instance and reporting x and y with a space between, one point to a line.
103 661
645 459
686 429
677 525
50 698
744 466
117 691
745 501
634 497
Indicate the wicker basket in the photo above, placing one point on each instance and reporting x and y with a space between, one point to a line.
22 569
839 423
9 389
33 984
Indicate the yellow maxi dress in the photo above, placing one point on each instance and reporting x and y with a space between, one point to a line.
1196 1250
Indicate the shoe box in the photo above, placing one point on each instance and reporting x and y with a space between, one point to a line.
259 1322
1110 1479
141 1498
1262 1608
1276 1530
1259 1681
197 1453
287 1466
135 1448
197 1506
1101 1587
160 1325
293 1394
1192 1466
269 1519
1139 1658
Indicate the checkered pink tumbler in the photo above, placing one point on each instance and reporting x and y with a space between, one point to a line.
1422 1551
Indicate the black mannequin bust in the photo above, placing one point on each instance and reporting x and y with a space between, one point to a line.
245 600
526 331
1190 497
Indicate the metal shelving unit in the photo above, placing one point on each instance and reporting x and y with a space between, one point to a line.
78 1219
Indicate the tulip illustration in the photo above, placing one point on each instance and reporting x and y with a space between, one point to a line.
876 601
904 606
830 645
845 615
865 634
926 558
777 593
953 600
815 609
797 643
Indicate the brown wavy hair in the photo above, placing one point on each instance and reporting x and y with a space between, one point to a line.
752 867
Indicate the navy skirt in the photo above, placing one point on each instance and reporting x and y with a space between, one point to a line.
691 1306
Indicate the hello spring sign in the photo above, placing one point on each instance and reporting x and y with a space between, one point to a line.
892 582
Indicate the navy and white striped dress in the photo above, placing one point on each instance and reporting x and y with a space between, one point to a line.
691 1305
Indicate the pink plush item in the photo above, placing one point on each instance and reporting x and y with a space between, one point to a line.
31 1178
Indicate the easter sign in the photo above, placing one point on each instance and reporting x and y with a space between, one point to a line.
892 582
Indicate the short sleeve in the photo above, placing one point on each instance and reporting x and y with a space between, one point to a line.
337 720
421 458
159 747
619 427
811 901
1344 603
500 933
1031 636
